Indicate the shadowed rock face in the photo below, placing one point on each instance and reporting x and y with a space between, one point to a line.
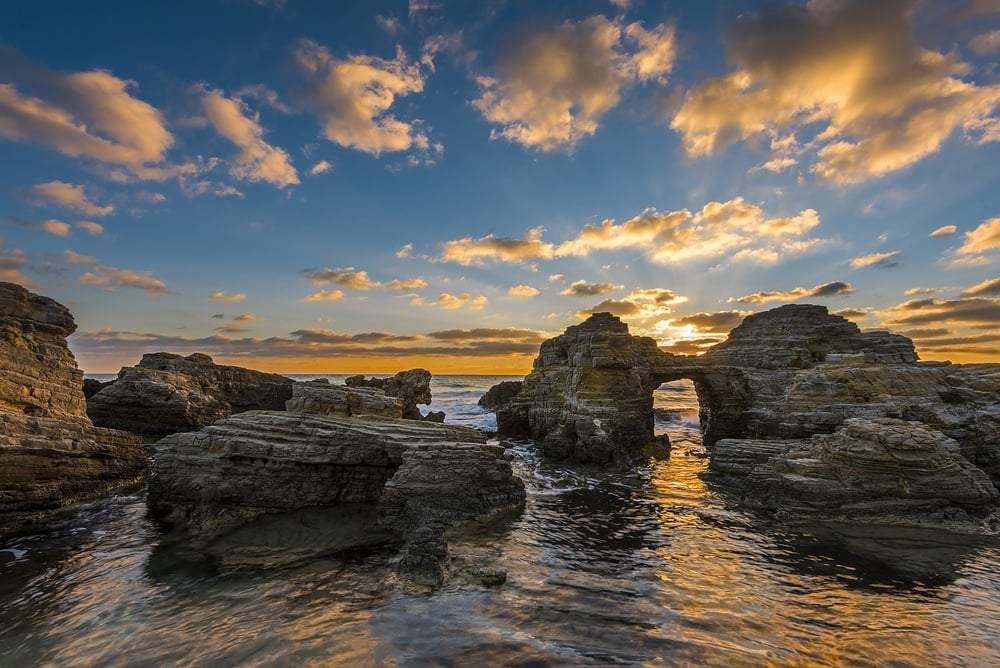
780 378
167 393
421 477
51 453
412 387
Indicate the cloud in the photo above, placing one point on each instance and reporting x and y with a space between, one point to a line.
987 43
735 228
126 278
11 263
72 257
51 226
721 322
974 311
944 231
980 242
321 167
405 251
91 228
408 284
324 296
880 260
346 277
68 196
230 329
990 288
921 291
643 304
200 187
89 114
831 289
847 75
245 317
223 297
469 251
257 160
353 97
554 278
489 334
450 302
554 84
584 289
523 291
852 313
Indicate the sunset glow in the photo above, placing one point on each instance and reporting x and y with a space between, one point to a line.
309 187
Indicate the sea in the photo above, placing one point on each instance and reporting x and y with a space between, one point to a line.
652 567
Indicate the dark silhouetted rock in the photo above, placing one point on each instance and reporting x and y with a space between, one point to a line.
413 387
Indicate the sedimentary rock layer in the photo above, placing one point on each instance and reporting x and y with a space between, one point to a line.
51 453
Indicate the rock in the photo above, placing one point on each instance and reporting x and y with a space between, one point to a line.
92 386
168 393
51 452
417 475
341 400
880 470
413 387
500 394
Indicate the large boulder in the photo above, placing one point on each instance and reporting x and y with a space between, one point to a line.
167 393
418 477
880 470
51 452
412 387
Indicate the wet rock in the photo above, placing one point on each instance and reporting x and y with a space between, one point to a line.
167 393
51 452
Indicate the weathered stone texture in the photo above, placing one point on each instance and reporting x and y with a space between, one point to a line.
167 393
50 452
412 387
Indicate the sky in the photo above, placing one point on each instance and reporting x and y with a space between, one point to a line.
320 187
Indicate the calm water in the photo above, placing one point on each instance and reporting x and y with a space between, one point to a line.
649 568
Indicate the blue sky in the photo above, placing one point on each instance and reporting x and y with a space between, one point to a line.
303 186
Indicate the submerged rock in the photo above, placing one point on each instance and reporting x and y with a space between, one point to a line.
51 452
167 393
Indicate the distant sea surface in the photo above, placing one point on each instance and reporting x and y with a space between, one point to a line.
652 567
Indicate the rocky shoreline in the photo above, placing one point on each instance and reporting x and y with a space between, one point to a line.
803 415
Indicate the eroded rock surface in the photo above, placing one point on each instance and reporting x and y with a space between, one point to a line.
420 477
167 393
781 378
412 387
51 453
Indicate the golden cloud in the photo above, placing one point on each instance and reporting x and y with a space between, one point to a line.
523 291
126 278
979 243
834 288
91 228
849 71
353 97
72 257
257 160
408 284
450 302
469 251
85 114
11 263
882 260
51 226
346 277
642 304
973 311
582 288
223 297
555 83
68 196
944 231
324 296
990 288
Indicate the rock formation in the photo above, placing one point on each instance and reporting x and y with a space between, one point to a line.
781 402
420 476
51 453
167 393
413 387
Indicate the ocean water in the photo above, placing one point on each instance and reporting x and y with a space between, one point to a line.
653 567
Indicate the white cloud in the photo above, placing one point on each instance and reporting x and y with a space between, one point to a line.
469 251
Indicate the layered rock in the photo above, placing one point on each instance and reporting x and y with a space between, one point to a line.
780 378
421 477
882 468
52 454
167 393
412 387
